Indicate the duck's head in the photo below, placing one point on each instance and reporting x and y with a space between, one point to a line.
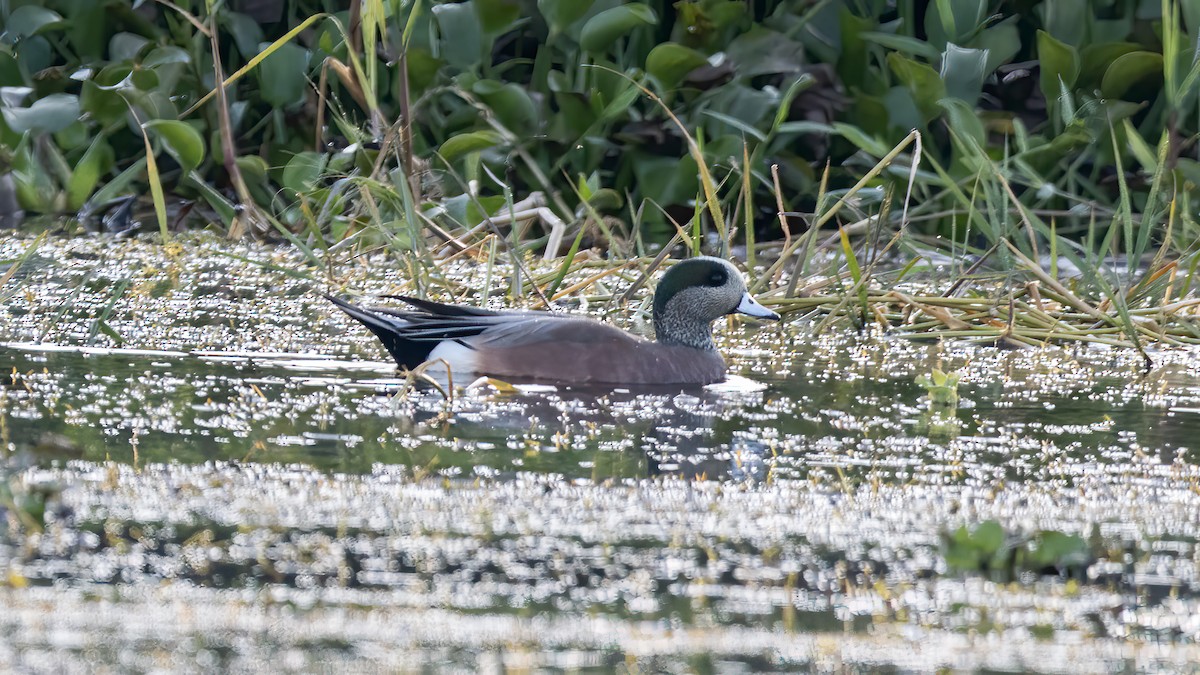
696 292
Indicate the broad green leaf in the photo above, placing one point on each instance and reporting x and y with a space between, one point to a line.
922 81
953 21
963 71
161 56
1129 70
104 105
50 114
497 16
282 80
670 62
610 25
1096 58
761 51
511 103
1066 20
461 42
1002 42
86 174
902 43
125 46
1060 62
303 171
473 141
963 119
560 14
29 20
863 141
180 139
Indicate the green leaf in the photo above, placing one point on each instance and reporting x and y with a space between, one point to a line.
497 16
461 34
963 71
29 20
282 80
303 171
1131 69
861 139
511 104
168 54
125 46
1066 20
560 14
86 174
670 62
963 119
1060 62
902 43
180 139
608 26
953 21
1096 58
761 51
50 114
473 141
1002 41
922 81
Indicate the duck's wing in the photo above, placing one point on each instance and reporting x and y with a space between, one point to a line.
410 336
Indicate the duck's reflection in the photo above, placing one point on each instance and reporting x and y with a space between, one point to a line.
692 432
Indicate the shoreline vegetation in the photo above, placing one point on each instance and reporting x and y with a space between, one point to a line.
1001 172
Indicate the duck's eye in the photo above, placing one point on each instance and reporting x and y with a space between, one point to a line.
718 278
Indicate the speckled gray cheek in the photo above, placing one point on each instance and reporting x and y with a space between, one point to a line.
688 316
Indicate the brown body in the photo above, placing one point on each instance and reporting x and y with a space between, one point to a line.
589 352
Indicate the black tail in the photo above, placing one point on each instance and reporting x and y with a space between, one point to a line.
408 353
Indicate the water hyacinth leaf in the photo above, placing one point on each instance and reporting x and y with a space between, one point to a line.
125 46
602 30
165 55
1096 58
560 14
461 42
104 105
761 51
670 62
923 82
303 171
1002 41
497 16
50 114
963 119
963 71
953 21
473 141
1129 70
511 104
86 175
28 20
861 139
246 33
1061 19
902 43
282 76
181 140
1059 62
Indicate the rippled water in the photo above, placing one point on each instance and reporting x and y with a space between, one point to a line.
224 472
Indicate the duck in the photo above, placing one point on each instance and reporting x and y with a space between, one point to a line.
558 348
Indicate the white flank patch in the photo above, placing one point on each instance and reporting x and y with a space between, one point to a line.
460 358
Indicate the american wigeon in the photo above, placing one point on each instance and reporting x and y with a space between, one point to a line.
549 347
